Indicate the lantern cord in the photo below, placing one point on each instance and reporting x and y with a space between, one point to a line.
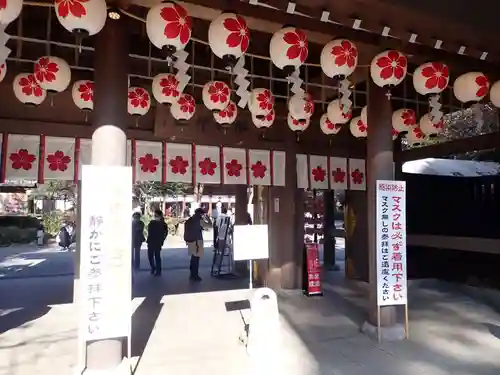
436 114
182 67
345 93
296 82
242 82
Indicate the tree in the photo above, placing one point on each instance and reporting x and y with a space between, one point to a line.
145 191
55 190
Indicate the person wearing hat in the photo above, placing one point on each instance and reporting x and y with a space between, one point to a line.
193 235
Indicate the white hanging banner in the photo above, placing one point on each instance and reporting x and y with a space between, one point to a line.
338 173
59 159
148 161
357 174
259 167
318 172
302 172
207 164
391 243
235 166
179 159
22 158
279 161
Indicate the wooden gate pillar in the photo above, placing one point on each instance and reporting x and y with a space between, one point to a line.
240 218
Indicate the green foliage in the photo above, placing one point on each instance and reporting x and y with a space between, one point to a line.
19 221
144 191
16 235
53 222
63 190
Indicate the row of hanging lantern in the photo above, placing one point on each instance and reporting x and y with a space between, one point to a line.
168 27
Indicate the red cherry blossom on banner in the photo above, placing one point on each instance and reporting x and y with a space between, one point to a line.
178 165
259 170
234 168
22 159
345 53
170 86
266 100
219 92
149 163
86 91
239 35
437 74
319 174
338 175
357 177
178 23
45 70
409 117
58 161
71 7
394 64
207 166
299 45
138 97
483 83
30 87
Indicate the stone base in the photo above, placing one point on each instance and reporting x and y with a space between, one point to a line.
392 333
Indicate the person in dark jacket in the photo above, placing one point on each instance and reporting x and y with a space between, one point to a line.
64 238
193 235
157 233
137 239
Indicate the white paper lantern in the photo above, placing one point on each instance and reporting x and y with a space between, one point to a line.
301 106
431 78
184 108
227 115
494 93
10 10
3 71
327 126
27 90
339 58
168 25
165 88
388 68
216 95
415 137
297 125
83 94
261 102
358 128
228 36
403 120
139 101
471 87
430 128
86 17
395 134
264 121
364 114
335 113
53 74
289 47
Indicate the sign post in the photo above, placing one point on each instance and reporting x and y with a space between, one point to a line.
106 266
312 285
391 247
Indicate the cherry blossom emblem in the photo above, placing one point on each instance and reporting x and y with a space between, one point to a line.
418 133
234 168
178 165
393 65
362 126
219 92
239 35
74 8
259 170
45 70
483 83
86 91
29 86
318 174
338 175
170 86
58 161
22 159
409 117
3 5
138 98
207 166
299 47
177 23
437 75
331 126
345 54
266 100
357 177
149 163
228 111
187 104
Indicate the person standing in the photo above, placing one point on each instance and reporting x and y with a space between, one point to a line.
137 239
193 236
157 233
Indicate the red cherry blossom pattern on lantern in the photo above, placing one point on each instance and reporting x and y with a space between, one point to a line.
266 100
438 125
330 125
86 91
187 104
437 75
2 66
409 117
345 54
219 92
393 65
149 163
234 168
418 133
178 165
22 159
29 86
298 123
318 174
362 126
483 83
395 133
270 116
338 175
178 23
74 8
170 86
309 104
45 70
258 170
228 111
58 161
299 45
138 97
207 166
357 177
239 35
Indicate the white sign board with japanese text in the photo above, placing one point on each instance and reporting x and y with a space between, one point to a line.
391 243
105 266
250 242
